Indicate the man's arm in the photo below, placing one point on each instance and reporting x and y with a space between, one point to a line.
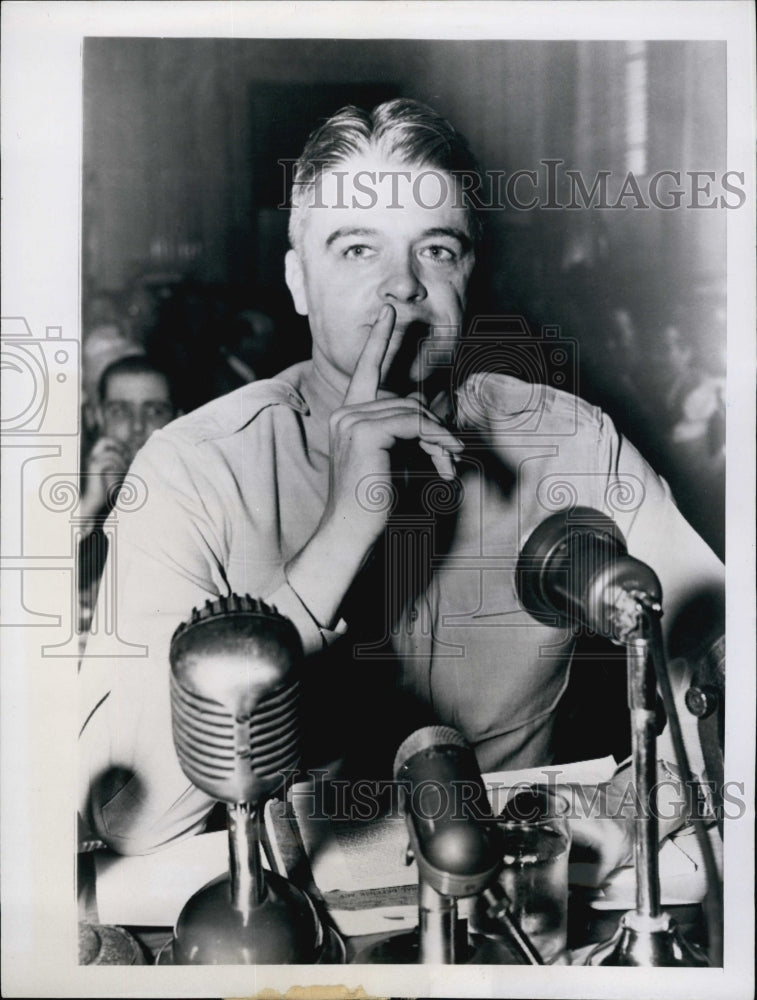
170 557
106 467
163 562
362 433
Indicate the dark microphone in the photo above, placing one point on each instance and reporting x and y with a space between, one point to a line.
574 569
446 807
458 848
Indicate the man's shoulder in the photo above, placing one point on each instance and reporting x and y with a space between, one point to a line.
528 407
232 413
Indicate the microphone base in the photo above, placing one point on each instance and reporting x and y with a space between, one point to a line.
404 949
649 942
284 928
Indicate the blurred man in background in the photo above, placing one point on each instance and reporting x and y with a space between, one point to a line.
134 398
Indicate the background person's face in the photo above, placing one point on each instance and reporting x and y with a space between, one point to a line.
356 255
135 405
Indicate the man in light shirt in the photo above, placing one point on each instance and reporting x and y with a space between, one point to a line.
376 497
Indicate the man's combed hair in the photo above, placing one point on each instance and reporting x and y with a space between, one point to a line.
401 129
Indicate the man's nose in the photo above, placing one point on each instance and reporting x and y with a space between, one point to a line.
137 439
402 282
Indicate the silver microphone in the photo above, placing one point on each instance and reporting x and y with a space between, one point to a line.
234 704
458 847
234 698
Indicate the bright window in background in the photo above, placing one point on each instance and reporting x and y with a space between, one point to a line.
636 106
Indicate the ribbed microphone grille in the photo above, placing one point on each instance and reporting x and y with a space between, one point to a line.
425 739
233 758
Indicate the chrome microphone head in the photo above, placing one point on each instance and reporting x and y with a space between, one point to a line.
455 844
234 698
234 706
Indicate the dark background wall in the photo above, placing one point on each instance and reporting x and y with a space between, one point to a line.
181 228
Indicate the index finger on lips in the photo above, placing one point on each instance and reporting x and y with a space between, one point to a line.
365 379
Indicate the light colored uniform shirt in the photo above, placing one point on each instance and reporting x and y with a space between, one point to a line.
236 488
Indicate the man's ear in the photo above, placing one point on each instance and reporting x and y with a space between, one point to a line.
295 279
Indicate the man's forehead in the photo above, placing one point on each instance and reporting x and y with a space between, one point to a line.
359 189
128 384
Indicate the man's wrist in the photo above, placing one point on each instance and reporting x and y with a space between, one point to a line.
329 633
322 573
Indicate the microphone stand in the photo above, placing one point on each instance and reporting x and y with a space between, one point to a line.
647 936
247 887
440 938
575 568
437 926
249 916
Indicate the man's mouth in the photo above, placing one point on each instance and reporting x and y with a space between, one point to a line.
414 361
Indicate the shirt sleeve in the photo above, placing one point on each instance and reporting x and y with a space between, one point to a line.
563 453
162 561
692 577
165 558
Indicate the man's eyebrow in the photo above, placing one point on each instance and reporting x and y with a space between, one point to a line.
350 231
457 234
339 234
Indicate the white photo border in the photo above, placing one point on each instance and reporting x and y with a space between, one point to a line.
41 254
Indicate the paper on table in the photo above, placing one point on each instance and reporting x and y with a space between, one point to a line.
354 856
151 890
583 772
361 868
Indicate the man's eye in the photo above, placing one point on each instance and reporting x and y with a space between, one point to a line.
440 253
157 411
117 411
358 252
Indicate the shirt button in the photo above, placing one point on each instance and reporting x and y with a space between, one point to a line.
414 615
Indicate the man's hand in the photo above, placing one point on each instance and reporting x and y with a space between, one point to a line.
603 837
107 465
599 846
363 432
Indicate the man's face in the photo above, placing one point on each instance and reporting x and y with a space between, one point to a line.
135 405
356 255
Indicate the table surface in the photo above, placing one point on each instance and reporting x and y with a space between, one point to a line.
587 926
